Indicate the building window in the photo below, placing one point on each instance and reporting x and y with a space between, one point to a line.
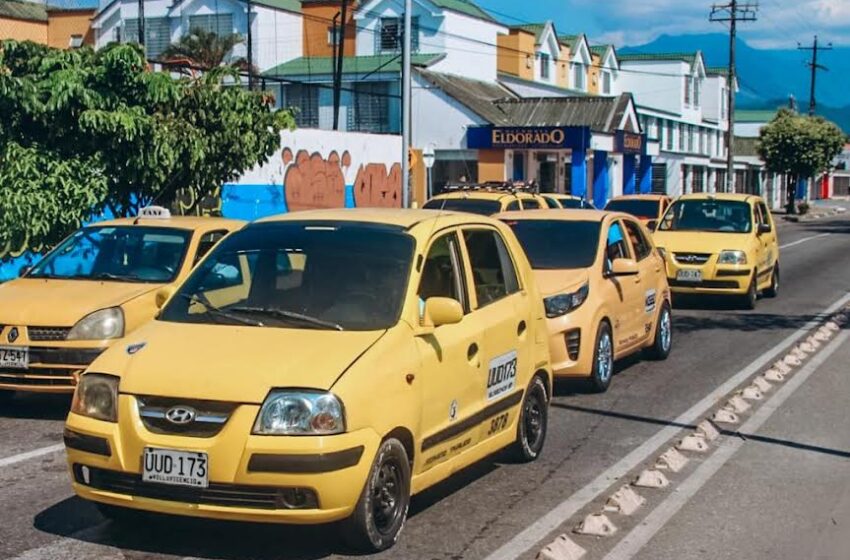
157 34
544 66
687 90
220 24
697 92
75 42
659 178
682 138
691 143
371 108
390 37
606 82
579 76
698 179
304 98
723 104
702 141
670 133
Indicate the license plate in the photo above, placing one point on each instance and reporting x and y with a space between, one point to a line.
689 276
178 468
14 357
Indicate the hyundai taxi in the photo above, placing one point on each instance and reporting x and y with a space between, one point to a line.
320 366
487 199
648 208
722 244
93 288
604 289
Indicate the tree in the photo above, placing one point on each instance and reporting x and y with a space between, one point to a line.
203 50
799 146
85 130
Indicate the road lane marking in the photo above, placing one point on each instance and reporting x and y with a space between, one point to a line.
804 240
34 454
634 541
529 537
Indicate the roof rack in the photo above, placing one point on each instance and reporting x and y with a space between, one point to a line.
511 187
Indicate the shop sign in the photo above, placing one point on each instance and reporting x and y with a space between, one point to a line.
630 143
538 137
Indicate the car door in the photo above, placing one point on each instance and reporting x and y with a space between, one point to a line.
649 267
452 368
505 311
769 242
628 307
759 242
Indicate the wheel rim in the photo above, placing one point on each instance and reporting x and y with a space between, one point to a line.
533 420
604 358
666 330
387 496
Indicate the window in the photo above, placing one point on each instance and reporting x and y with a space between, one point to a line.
207 242
492 268
670 133
763 214
616 246
697 83
659 178
579 76
727 216
75 42
702 141
441 276
371 107
530 204
698 179
606 82
333 36
157 34
304 98
512 206
468 205
723 103
641 246
691 143
220 24
544 66
682 138
558 244
687 90
390 37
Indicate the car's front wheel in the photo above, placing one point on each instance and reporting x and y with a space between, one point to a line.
749 300
603 359
773 290
533 422
663 343
381 511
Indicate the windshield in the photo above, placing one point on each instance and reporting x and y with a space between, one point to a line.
727 216
310 275
470 205
558 244
572 203
117 253
647 209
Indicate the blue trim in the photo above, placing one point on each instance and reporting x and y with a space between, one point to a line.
629 173
645 174
578 169
600 178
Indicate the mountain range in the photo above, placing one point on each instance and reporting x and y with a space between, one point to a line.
768 77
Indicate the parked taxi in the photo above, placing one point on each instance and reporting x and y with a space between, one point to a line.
487 199
720 244
94 288
567 202
604 289
321 366
648 208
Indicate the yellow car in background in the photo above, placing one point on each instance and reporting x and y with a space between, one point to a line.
604 288
648 208
567 202
720 244
94 288
317 367
486 199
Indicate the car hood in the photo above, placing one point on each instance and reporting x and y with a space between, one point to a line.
61 303
699 241
553 282
231 363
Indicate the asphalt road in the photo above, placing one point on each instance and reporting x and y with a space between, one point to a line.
787 487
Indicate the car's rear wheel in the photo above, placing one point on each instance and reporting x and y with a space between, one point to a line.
603 359
381 511
663 343
533 423
773 290
748 301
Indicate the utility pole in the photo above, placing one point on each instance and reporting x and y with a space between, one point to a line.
339 54
142 27
815 67
733 12
250 39
334 66
405 106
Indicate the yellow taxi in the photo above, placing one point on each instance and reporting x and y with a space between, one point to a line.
487 199
94 288
604 288
567 202
320 366
720 244
648 208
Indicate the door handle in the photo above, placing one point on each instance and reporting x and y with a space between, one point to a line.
472 352
521 328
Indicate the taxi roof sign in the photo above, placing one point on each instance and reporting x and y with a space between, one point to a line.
156 212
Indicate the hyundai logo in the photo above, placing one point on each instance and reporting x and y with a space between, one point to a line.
13 334
180 415
689 258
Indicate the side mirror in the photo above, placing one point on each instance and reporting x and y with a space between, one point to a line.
764 228
441 311
163 295
624 267
652 225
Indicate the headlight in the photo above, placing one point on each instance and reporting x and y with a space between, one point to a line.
732 257
297 413
100 325
561 304
97 397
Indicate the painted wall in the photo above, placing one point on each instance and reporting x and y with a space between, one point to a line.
515 51
318 18
61 25
594 85
658 85
319 169
563 67
23 30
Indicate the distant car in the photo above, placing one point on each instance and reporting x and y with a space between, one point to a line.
567 201
648 208
720 244
604 289
97 286
486 200
321 366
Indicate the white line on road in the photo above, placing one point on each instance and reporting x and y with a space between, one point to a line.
661 515
805 239
34 454
540 529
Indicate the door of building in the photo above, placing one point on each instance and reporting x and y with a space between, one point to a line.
547 172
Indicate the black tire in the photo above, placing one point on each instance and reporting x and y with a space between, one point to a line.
381 511
773 290
603 359
533 423
663 343
748 301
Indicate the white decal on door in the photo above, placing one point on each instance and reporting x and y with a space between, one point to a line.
502 376
650 301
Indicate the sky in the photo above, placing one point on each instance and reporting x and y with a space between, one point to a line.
780 23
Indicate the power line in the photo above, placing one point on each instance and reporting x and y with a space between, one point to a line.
815 67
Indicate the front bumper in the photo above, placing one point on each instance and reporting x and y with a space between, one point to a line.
251 477
571 343
716 279
52 369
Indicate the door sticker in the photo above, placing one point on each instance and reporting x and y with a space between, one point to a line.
453 411
649 303
502 376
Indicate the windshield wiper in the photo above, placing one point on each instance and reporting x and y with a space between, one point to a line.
213 310
111 276
289 316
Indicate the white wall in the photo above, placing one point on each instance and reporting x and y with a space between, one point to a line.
439 120
525 88
659 85
748 130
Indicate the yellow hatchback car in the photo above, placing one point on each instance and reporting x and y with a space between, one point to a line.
321 366
604 289
486 200
94 288
720 244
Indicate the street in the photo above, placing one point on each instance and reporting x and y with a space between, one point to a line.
779 491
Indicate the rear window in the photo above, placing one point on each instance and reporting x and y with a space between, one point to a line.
647 209
558 244
470 205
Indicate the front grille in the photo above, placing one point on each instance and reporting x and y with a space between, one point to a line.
38 377
710 284
226 495
48 334
63 356
692 258
210 416
573 340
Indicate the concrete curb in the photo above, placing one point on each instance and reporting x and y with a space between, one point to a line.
815 215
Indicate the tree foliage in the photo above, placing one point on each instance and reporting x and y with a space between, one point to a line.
203 49
85 130
798 145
